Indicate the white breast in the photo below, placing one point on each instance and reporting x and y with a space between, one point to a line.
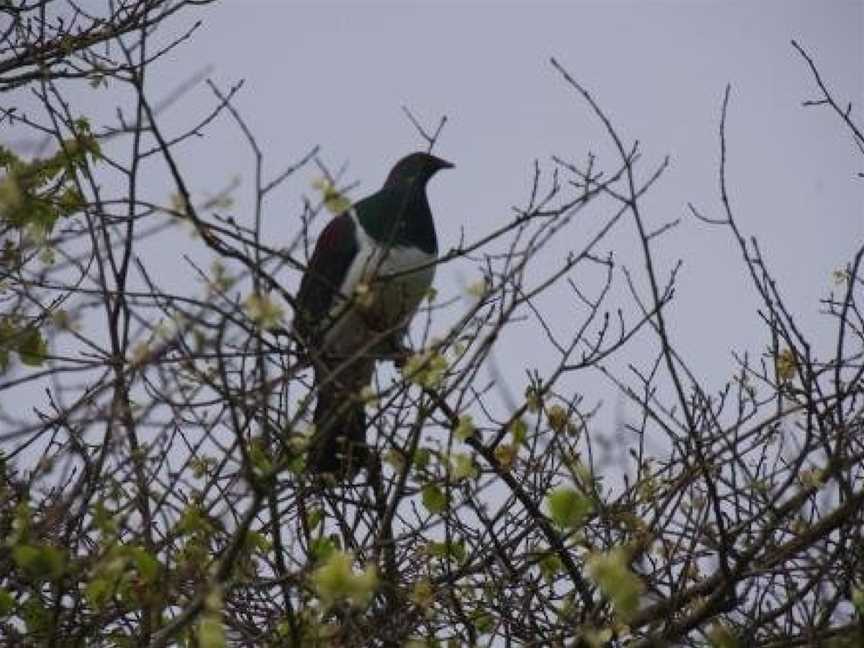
390 303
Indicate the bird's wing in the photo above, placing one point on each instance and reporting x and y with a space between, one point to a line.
334 252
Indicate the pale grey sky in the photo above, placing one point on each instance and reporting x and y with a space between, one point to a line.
337 74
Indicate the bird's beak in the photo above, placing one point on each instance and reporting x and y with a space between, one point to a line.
444 164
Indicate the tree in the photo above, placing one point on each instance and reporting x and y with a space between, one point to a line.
156 493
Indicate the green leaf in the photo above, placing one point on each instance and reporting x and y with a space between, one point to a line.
858 600
8 159
533 399
463 466
519 430
260 457
322 548
70 201
422 457
786 364
465 429
454 550
257 542
7 603
484 622
314 517
148 566
120 640
422 594
550 566
506 454
478 288
336 580
194 521
10 193
427 368
433 498
99 591
612 574
104 519
557 417
721 637
40 562
263 311
568 508
211 631
334 200
128 572
31 347
37 618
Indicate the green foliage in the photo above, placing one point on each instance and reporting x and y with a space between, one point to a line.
322 548
422 458
26 341
433 498
260 457
483 622
7 334
721 637
7 603
465 429
31 347
194 512
422 593
221 280
451 550
314 517
786 364
211 631
35 194
568 508
621 586
37 618
533 399
505 454
194 521
462 467
427 369
263 311
557 417
40 562
127 572
858 601
337 580
197 529
334 200
202 466
519 430
550 566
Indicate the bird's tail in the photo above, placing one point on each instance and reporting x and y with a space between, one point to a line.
339 443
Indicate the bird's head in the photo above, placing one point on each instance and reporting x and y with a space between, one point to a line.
416 167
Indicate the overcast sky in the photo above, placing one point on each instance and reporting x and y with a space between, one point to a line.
337 74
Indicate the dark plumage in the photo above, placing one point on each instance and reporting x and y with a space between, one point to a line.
349 313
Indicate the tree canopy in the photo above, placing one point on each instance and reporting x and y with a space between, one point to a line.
155 492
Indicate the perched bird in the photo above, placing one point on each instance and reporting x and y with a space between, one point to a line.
371 268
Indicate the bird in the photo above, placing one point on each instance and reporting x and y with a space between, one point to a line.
371 267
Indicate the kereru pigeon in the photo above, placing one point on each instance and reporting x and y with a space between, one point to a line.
350 314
